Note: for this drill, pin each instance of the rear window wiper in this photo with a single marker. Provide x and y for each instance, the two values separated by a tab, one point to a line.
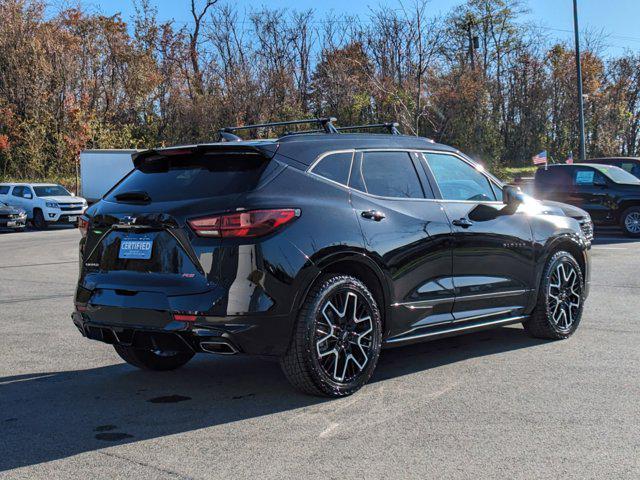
133	197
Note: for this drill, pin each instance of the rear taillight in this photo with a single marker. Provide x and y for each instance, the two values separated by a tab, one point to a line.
253	223
83	225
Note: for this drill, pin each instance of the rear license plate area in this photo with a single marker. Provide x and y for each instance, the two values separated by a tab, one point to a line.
136	247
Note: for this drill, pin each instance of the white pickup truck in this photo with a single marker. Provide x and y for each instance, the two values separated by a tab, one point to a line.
45	203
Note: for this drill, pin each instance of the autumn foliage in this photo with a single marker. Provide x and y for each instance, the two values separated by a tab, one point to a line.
72	79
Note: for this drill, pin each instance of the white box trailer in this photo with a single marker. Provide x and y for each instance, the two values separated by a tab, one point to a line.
102	169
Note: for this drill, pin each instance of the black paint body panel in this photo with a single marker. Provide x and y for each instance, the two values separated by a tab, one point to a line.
430	273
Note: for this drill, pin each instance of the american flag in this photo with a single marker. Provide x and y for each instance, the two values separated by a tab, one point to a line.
540	158
569	160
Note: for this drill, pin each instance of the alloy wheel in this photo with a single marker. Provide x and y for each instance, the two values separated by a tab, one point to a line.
344	336
565	296
632	222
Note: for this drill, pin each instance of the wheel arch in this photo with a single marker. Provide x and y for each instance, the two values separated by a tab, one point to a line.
569	243
624	205
357	264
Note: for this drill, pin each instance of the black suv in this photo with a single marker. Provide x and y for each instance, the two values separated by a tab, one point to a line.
319	249
609	194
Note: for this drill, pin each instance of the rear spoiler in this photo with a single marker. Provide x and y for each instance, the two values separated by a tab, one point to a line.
265	150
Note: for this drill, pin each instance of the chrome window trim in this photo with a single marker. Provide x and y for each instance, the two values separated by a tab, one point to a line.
407	151
490	178
323	156
456	153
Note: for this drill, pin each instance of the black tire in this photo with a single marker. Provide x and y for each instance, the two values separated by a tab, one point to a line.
149	360
630	221
546	320
307	363
39	223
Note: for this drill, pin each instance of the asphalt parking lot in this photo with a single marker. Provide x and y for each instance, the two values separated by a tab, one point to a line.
494	404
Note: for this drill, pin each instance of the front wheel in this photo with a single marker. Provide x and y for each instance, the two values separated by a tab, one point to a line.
153	359
630	221
560	299
337	339
38	220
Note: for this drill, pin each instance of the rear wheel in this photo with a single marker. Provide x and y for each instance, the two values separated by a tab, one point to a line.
153	359
38	220
630	221
337	339
560	299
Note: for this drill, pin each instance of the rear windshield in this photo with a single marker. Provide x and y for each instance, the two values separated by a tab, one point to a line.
179	178
51	191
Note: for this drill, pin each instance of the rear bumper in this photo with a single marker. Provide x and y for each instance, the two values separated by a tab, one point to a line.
152	329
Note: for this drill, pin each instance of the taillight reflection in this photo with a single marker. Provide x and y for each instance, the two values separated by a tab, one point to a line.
83	225
253	223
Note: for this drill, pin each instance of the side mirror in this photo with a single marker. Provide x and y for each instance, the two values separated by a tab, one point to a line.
27	196
73	194
512	196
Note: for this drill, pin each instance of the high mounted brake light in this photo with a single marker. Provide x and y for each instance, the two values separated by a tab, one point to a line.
180	317
252	223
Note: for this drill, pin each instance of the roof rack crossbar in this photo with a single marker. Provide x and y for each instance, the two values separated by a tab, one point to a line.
326	124
392	127
303	132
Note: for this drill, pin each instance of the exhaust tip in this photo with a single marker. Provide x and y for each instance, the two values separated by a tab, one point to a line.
221	347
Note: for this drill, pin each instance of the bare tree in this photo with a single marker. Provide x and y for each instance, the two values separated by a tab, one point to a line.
198	15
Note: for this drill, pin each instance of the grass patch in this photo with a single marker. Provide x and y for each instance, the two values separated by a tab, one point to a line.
508	174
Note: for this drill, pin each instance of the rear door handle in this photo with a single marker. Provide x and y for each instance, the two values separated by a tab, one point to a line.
373	215
462	222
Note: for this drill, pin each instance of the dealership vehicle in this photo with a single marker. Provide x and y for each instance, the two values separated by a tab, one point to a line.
102	169
609	194
319	249
12	217
44	203
630	164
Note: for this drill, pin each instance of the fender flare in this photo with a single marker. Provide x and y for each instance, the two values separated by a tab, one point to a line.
323	261
552	245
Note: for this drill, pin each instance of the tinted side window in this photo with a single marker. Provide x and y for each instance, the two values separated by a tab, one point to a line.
554	177
335	167
18	191
390	174
4	190
458	180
